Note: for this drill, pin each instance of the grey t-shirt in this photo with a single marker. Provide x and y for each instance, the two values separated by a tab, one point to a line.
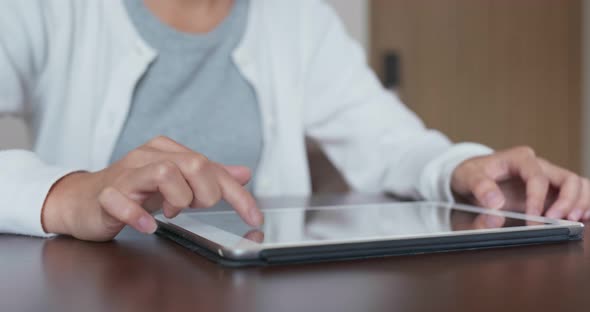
193	92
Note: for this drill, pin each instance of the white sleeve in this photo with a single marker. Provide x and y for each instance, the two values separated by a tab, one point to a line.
24	183
23	46
370	136
24	179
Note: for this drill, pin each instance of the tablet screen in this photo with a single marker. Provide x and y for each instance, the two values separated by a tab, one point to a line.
296	225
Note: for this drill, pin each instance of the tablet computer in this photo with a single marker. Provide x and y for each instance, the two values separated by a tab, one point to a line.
311	234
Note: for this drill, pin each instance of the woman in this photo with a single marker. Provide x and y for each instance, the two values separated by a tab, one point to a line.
142	104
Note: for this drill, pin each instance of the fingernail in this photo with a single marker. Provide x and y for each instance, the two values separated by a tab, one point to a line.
493	222
494	200
147	225
575	215
256	217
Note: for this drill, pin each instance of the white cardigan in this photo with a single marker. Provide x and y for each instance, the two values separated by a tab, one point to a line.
69	68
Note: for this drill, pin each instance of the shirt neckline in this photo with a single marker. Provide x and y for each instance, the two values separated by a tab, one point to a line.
162	37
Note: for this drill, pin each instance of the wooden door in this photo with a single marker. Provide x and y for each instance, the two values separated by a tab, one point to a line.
500	72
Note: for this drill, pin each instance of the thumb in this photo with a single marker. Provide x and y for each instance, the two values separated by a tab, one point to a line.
242	174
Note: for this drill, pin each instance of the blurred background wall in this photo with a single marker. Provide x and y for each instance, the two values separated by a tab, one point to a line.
504	73
498	72
585	87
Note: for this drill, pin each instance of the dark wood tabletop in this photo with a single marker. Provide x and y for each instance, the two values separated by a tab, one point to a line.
148	273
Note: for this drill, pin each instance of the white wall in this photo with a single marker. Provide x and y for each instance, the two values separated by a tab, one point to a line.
353	12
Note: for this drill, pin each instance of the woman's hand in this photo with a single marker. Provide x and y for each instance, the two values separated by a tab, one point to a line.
160	174
493	182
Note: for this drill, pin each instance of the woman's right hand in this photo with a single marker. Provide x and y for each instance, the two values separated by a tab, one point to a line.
160	174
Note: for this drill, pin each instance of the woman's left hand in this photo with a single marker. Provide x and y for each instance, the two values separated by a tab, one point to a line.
493	182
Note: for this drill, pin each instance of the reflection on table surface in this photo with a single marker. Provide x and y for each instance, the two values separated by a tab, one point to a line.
147	273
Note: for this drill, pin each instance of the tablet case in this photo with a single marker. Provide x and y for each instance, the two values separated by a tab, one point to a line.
379	249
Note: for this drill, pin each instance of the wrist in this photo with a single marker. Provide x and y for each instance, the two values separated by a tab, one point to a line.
58	212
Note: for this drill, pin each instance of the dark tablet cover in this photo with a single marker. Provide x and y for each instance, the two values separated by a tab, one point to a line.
365	250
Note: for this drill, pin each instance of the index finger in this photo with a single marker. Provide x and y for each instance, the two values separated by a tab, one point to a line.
165	144
240	199
232	191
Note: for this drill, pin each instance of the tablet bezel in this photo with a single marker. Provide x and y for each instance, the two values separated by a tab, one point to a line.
231	246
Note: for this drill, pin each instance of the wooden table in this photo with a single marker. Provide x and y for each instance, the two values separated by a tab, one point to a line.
148	273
